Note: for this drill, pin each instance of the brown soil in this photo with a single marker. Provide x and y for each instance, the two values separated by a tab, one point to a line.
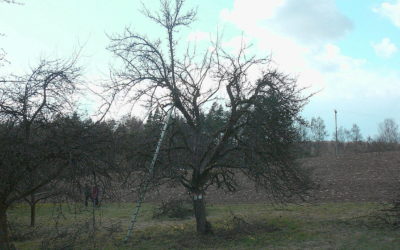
355	177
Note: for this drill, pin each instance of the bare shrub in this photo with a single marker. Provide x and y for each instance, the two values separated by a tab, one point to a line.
21	232
174	208
69	237
391	216
236	225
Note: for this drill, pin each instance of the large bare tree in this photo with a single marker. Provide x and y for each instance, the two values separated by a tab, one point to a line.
257	133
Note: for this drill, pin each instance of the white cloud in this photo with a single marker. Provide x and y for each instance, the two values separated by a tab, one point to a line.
331	59
391	11
312	55
308	21
272	33
385	48
197	36
360	84
349	78
312	21
246	13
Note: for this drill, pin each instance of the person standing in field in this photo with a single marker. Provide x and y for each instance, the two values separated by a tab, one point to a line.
95	195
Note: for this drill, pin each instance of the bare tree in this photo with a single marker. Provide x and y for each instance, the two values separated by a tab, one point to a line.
318	129
388	133
27	104
154	72
355	134
344	135
318	132
2	56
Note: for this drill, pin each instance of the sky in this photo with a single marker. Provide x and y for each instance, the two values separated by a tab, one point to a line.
346	52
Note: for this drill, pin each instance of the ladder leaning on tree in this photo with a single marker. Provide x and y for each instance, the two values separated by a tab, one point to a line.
146	183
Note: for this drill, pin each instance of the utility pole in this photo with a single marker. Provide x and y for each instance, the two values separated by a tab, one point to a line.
336	139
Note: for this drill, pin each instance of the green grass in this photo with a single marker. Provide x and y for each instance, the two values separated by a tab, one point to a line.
236	226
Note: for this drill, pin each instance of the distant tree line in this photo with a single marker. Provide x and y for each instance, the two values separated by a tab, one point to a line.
315	142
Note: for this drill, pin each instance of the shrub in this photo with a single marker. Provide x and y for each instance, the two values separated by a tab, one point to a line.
174	208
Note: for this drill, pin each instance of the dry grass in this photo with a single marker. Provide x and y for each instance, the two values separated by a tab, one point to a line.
236	226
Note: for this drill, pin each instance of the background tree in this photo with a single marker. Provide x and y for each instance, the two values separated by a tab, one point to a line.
135	142
318	129
27	105
92	158
305	144
343	135
356	139
388	133
153	71
2	56
318	132
303	132
355	134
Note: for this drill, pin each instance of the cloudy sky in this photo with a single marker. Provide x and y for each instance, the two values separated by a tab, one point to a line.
346	51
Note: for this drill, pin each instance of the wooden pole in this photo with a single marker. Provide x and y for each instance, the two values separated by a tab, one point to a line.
336	138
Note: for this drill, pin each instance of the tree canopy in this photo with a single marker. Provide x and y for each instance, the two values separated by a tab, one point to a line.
253	134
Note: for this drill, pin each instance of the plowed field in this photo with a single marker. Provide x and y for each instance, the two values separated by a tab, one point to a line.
355	177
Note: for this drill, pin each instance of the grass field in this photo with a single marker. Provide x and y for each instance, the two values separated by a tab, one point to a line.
236	226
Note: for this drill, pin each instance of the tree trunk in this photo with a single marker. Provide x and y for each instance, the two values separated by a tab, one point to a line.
202	225
32	204
4	237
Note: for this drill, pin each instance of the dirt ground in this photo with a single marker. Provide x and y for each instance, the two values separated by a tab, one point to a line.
355	177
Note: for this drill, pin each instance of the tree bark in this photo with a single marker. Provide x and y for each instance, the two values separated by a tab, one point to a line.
202	225
4	235
32	205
